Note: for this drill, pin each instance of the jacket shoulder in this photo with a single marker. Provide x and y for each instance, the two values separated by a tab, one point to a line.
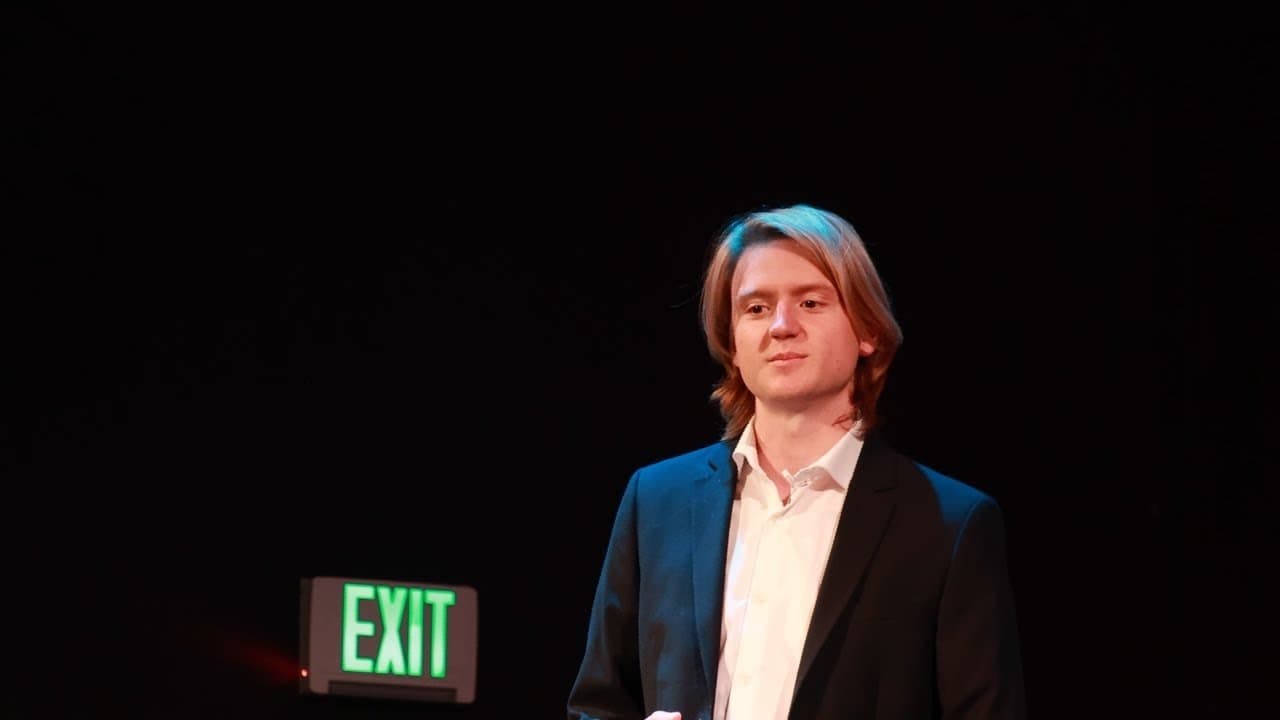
955	501
918	481
685	466
949	487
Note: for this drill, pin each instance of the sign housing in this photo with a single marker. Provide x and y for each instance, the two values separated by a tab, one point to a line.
388	639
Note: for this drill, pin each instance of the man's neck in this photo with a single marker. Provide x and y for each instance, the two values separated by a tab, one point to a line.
792	441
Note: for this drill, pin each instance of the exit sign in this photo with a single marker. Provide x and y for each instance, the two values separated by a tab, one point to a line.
388	639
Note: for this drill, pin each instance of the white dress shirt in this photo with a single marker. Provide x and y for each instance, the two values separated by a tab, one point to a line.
776	557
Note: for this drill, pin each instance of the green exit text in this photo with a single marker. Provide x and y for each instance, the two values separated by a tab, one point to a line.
396	606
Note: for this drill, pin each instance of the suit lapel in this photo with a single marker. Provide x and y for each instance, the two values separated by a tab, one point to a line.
863	520
710	507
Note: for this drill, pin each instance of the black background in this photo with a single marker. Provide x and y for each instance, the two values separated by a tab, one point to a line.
409	294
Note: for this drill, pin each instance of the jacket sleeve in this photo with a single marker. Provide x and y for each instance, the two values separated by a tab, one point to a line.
608	682
979	662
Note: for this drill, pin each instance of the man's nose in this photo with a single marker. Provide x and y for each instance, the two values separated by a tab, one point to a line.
784	322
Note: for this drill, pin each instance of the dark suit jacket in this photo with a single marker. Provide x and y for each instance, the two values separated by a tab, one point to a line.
914	617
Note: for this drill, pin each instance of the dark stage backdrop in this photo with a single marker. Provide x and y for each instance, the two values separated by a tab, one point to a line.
408	296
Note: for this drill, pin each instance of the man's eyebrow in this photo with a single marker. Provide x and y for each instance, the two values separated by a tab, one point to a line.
750	292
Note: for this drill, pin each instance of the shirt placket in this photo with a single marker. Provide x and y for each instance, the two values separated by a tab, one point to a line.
750	690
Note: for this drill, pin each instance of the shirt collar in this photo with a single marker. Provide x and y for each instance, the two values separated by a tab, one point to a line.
838	462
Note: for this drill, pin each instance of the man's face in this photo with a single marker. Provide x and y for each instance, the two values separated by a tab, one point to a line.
793	343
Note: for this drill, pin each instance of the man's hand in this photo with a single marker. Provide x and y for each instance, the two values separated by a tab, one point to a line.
664	715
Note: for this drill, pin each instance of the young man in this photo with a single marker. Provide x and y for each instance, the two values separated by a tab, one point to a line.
800	568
